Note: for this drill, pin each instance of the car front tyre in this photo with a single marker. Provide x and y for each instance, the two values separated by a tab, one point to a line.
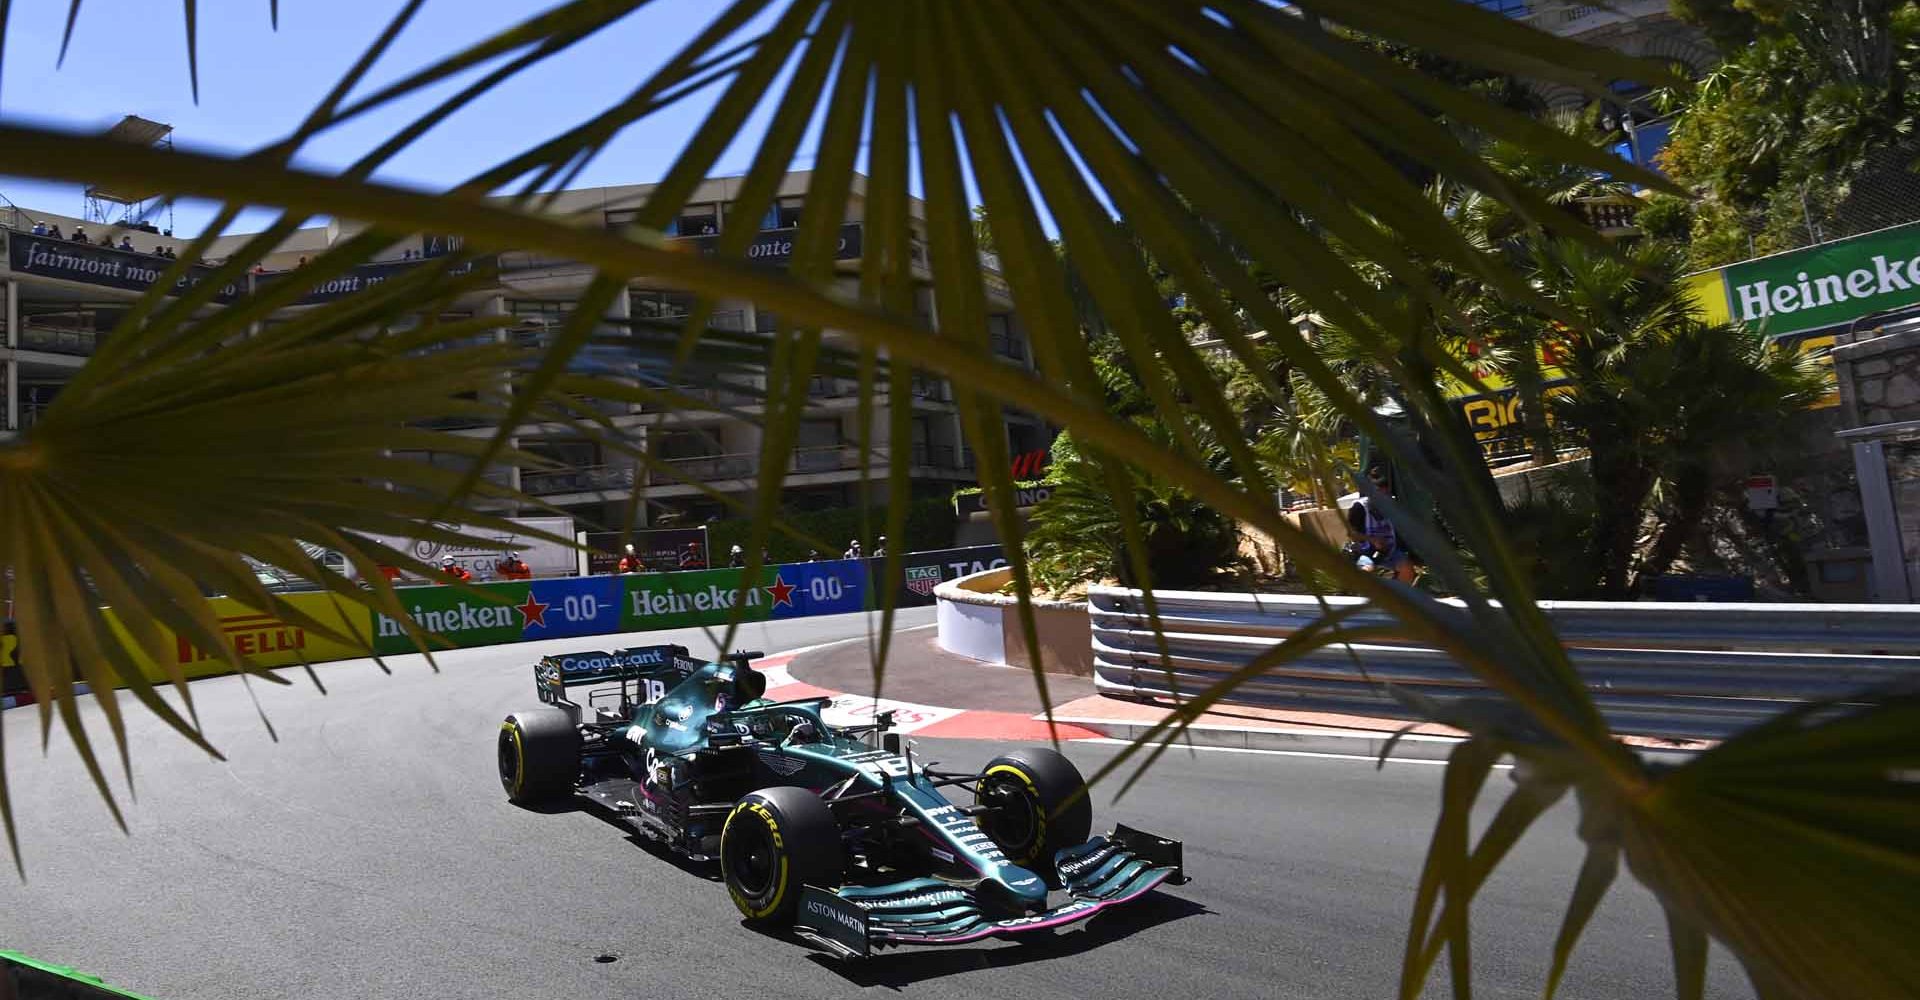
775	841
1036	805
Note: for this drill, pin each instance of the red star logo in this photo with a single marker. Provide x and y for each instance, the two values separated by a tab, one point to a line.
533	612
781	591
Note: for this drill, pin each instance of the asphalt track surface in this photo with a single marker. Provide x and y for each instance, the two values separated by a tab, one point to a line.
370	853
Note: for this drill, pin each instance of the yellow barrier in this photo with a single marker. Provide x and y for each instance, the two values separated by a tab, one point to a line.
269	641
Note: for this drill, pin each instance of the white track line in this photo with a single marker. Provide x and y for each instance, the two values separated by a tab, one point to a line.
1369	758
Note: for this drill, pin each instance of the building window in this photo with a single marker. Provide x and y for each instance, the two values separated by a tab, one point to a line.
647	303
1006	343
782	214
696	220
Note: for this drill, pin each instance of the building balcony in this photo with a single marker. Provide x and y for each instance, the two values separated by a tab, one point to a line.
590	479
78	343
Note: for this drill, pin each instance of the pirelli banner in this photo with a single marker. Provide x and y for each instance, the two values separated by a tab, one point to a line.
268	640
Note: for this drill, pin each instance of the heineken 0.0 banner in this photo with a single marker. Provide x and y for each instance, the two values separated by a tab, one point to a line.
539	609
715	596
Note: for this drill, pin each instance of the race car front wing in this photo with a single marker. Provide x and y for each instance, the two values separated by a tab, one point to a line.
1105	871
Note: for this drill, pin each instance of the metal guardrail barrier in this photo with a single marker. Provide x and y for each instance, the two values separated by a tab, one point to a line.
1679	671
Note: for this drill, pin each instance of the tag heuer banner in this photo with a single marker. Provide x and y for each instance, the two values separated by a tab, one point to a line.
927	570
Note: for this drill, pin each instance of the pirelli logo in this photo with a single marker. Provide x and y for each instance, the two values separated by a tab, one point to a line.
249	635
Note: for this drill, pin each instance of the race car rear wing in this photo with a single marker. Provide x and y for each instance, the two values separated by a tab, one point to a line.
553	675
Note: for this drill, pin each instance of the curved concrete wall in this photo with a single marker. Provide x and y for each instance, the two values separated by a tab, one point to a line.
977	622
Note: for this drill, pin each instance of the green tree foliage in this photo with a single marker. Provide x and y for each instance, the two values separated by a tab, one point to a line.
1791	137
1078	533
1656	395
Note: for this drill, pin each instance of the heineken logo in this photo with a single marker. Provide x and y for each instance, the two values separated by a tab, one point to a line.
714	598
461	618
1760	299
922	579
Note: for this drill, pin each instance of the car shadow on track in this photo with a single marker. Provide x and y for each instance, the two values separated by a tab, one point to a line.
908	965
705	870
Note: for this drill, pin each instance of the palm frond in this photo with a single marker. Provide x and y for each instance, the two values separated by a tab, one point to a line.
1228	135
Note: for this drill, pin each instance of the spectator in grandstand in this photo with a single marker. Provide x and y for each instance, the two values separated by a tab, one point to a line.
454	572
170	254
126	244
630	562
515	568
53	232
79	235
39	228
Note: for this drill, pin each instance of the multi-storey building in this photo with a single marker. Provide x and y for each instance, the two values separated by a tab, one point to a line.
1642	28
62	298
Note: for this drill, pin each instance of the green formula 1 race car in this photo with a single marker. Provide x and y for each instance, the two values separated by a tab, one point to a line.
835	830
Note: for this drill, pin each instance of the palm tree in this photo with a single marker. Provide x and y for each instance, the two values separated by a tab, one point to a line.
1212	128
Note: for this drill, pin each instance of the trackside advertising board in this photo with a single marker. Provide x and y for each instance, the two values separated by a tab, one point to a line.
519	612
715	596
268	640
1826	285
563	607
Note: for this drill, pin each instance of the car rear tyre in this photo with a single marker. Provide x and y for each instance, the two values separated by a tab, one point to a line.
775	841
1036	805
539	755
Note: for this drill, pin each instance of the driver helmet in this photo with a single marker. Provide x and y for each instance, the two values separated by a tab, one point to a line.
446	561
736	550
629	548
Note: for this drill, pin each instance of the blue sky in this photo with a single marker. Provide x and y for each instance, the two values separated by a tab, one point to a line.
256	85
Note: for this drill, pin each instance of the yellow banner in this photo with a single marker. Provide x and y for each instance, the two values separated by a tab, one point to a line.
269	641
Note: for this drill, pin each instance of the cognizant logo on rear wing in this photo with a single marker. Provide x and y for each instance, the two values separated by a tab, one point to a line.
554	674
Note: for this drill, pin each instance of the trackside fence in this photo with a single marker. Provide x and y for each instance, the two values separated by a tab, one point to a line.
1673	670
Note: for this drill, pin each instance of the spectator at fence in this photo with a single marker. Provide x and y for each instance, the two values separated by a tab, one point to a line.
515	568
690	557
880	547
1376	532
736	556
853	550
53	232
170	254
454	572
79	235
630	562
126	244
39	228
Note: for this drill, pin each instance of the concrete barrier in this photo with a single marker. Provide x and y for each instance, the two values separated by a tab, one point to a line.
976	621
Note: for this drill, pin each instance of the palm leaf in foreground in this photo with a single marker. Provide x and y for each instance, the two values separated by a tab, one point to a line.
1222	132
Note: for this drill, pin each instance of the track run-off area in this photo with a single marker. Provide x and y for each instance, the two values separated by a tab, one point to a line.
370	853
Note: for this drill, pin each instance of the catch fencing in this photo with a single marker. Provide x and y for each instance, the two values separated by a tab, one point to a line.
1672	670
